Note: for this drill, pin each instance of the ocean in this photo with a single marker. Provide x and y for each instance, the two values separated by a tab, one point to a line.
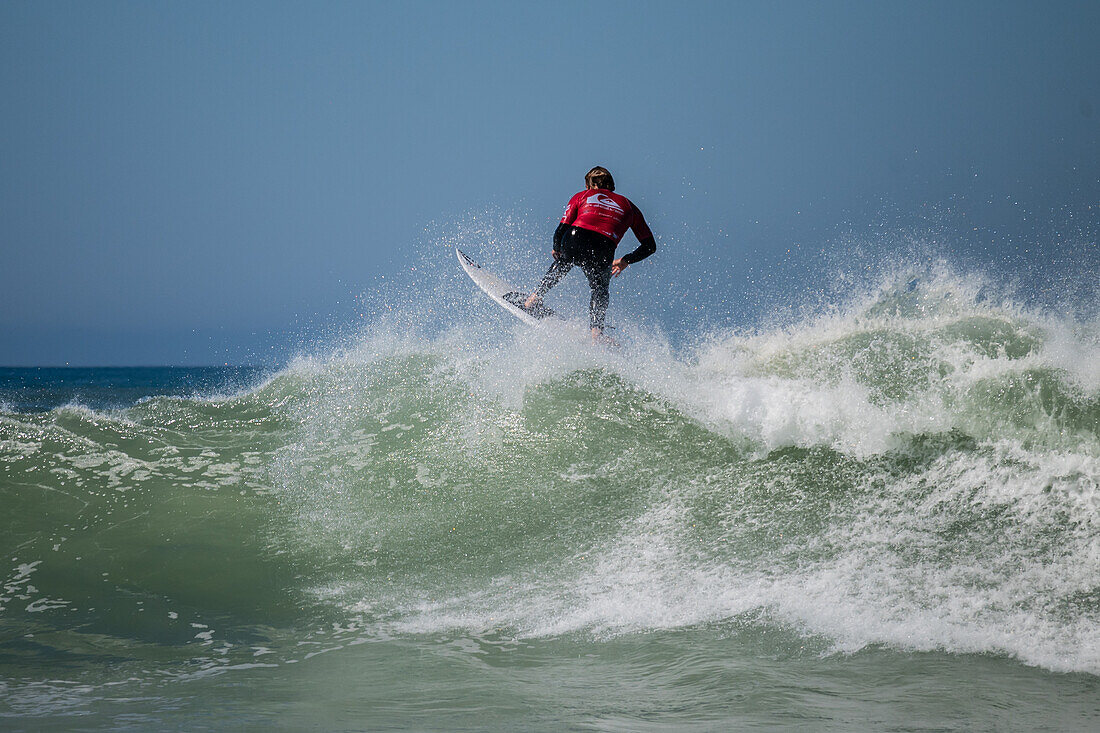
882	516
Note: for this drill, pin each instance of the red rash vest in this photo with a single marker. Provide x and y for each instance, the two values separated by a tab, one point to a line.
606	212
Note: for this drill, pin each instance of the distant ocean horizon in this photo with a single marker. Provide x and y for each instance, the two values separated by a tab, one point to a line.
41	388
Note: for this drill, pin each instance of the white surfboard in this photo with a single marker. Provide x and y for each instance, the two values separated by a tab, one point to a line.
509	298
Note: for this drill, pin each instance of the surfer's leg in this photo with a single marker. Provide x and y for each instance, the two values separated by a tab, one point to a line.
564	259
599	279
596	258
553	276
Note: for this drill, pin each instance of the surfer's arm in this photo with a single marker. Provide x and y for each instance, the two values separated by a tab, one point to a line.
647	247
567	219
558	234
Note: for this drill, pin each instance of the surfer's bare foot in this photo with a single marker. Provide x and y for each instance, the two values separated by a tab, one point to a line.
602	339
532	301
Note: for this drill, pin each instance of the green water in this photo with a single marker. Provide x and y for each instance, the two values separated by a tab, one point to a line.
886	520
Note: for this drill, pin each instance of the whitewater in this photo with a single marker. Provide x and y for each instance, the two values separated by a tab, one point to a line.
882	515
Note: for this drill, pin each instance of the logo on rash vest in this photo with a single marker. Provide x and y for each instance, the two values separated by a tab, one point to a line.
604	202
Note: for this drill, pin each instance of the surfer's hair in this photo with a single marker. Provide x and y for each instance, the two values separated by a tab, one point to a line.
599	177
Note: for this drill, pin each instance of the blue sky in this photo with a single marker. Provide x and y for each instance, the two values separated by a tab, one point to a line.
193	183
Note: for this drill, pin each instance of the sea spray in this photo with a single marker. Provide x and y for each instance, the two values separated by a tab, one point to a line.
914	469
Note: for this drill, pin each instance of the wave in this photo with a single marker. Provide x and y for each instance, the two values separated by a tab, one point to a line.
919	469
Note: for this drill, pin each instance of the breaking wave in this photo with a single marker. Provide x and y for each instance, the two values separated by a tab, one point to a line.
919	469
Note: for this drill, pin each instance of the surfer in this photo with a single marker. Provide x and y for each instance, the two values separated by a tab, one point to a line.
595	220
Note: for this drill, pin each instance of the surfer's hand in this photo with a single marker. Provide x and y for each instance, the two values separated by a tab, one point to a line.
618	266
557	254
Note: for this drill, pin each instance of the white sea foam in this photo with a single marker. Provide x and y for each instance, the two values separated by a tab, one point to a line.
884	576
978	539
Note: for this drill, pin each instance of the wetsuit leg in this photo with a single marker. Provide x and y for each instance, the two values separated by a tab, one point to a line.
594	253
553	276
599	279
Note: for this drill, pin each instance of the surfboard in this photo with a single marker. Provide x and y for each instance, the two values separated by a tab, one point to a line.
507	297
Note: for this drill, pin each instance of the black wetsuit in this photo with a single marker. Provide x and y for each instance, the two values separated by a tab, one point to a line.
593	253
